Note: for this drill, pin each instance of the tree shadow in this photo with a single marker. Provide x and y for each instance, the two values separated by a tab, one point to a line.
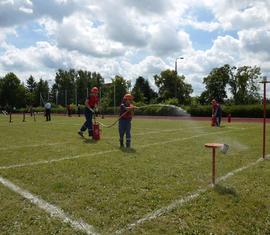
225	190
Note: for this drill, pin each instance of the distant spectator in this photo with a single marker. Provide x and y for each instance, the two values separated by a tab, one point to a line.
69	110
79	110
48	108
216	112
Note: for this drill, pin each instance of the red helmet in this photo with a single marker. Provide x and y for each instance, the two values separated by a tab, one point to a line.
94	90
128	97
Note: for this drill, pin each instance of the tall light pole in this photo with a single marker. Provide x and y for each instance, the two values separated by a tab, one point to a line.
264	82
175	69
175	63
56	98
50	80
114	98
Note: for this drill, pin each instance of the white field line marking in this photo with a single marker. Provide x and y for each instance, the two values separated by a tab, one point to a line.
33	145
59	143
180	202
156	132
57	160
108	151
54	211
184	138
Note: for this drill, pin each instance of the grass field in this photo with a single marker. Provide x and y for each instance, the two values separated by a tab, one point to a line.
160	186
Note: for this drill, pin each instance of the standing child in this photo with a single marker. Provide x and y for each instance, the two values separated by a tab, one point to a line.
90	104
126	113
216	112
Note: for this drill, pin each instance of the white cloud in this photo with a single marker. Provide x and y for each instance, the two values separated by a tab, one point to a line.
132	38
78	33
166	40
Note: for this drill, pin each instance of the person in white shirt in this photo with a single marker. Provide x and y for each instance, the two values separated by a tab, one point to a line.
48	107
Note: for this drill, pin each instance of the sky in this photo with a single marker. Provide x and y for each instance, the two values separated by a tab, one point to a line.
133	38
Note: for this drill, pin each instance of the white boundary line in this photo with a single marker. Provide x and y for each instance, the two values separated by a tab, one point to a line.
54	211
59	143
180	202
108	151
56	160
32	145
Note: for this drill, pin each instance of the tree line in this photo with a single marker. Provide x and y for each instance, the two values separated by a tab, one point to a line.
226	84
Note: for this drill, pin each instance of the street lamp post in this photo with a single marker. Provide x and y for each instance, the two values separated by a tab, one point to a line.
264	82
175	69
50	80
175	63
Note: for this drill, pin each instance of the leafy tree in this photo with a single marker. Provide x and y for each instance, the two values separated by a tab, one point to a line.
41	92
31	86
244	84
13	92
142	91
65	86
215	84
173	86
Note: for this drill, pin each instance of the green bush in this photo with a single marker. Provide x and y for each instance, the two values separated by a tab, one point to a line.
252	111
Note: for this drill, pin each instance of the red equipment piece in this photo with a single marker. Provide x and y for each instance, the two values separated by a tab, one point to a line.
96	131
213	121
229	117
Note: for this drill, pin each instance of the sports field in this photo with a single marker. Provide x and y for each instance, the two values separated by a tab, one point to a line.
52	181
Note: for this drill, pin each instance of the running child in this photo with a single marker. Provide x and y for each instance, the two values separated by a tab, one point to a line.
126	113
91	104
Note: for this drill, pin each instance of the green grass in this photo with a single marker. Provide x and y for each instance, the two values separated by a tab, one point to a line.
111	190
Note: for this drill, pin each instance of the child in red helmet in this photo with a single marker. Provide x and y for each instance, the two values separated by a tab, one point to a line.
126	113
90	104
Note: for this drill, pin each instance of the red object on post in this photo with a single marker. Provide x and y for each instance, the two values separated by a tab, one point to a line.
229	117
213	146
213	121
96	131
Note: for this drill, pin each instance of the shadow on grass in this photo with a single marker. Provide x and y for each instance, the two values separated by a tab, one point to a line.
89	141
225	190
128	150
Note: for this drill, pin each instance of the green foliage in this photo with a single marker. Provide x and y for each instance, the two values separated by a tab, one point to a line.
242	83
142	91
252	111
173	86
171	101
12	91
215	84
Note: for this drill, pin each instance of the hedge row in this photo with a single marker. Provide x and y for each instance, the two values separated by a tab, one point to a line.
152	110
253	111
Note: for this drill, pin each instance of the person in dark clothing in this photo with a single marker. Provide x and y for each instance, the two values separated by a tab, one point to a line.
90	105
48	107
126	113
216	112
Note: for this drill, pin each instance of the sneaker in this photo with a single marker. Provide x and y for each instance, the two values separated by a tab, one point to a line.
80	133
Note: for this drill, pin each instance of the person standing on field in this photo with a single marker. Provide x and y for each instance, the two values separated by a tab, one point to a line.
91	104
124	125
216	112
48	107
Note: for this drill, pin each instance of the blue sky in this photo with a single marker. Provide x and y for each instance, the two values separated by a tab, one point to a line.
133	38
